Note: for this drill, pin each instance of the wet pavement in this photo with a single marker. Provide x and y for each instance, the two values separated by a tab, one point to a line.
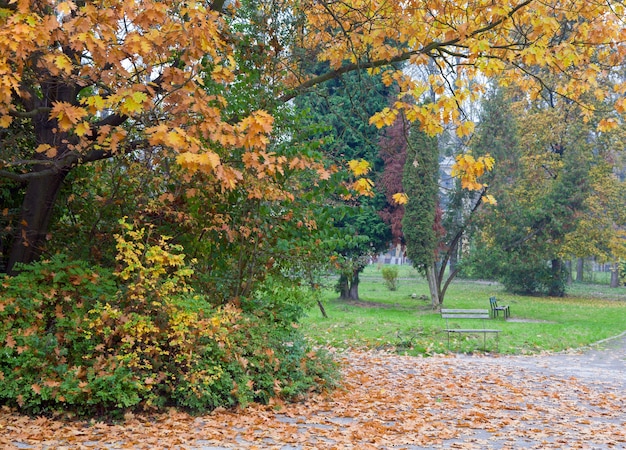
602	364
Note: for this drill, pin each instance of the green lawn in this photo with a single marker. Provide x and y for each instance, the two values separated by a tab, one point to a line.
387	319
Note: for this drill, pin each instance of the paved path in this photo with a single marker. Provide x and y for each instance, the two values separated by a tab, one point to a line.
602	364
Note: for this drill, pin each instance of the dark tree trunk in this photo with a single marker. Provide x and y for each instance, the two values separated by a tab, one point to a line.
343	287
348	287
42	191
570	276
37	207
433	286
580	269
322	309
557	282
354	287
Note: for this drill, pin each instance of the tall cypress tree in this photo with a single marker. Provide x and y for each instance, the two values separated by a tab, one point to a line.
420	182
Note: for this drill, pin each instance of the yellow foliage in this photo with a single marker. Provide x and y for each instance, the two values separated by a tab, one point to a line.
469	169
82	128
489	200
47	149
608	124
364	186
359	167
465	129
147	60
386	117
67	115
400	198
5	121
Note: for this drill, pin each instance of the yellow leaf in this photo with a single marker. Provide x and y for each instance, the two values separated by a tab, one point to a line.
400	198
82	128
359	167
66	7
133	104
175	139
49	150
5	121
488	161
363	186
205	162
95	103
465	129
64	63
386	117
489	199
67	115
607	125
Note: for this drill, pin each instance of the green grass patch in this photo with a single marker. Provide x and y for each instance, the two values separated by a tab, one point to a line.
396	320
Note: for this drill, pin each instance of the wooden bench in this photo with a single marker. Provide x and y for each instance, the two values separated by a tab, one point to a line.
495	309
452	315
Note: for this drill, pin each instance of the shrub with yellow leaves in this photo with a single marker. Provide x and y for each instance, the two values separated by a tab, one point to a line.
91	341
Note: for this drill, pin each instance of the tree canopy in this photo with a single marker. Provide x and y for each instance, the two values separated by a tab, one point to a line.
90	81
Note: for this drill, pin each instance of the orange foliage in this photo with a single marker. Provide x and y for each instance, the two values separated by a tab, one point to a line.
144	65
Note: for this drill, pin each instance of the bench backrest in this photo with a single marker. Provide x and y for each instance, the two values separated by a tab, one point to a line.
465	314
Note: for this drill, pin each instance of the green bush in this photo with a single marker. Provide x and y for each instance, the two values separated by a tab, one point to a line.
390	275
87	340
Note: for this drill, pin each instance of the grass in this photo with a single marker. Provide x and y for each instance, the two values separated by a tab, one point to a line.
393	320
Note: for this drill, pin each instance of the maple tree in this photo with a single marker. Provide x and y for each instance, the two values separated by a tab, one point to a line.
92	81
202	86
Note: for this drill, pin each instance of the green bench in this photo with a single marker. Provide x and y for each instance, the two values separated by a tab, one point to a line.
495	308
453	315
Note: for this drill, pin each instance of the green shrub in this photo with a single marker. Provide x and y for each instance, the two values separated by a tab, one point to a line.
97	342
390	275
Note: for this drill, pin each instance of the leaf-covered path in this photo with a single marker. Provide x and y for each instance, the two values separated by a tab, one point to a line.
390	402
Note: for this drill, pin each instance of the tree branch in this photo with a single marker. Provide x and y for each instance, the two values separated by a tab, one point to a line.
29	114
399	58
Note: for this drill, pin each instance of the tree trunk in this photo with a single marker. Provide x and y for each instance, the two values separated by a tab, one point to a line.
37	207
354	287
42	192
322	309
348	286
431	277
580	269
615	275
557	285
570	276
343	287
454	258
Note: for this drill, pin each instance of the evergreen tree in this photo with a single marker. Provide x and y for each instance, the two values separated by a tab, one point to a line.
543	184
341	109
420	181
